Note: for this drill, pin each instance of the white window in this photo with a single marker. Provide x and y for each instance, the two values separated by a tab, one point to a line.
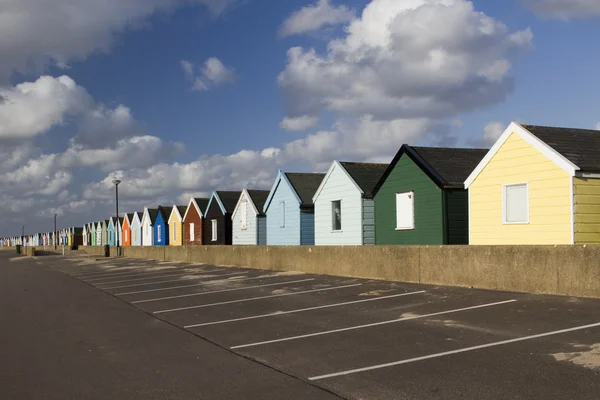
174	228
126	235
214	230
405	211
515	204
243	209
282	214
158	233
336	215
192	232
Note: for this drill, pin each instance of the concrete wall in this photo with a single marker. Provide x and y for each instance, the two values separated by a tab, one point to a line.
563	270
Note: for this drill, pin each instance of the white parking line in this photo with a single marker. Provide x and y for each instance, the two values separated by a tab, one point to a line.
350	328
447	353
187	286
219	291
224	321
173	280
256	298
94	282
119	271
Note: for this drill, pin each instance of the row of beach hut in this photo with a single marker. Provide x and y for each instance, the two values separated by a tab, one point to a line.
536	185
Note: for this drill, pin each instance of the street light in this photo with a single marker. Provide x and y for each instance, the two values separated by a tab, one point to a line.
116	182
23	235
54	231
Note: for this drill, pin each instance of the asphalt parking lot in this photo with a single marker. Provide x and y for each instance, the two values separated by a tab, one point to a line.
366	339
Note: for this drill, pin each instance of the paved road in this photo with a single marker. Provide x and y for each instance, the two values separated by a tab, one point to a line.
62	339
217	332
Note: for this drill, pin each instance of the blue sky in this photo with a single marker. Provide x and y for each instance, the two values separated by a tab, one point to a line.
97	92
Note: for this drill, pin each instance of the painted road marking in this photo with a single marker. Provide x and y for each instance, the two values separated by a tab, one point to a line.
107	273
146	275
350	328
224	321
219	291
195	277
464	350
152	277
256	298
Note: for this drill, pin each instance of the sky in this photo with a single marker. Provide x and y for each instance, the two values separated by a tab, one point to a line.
181	97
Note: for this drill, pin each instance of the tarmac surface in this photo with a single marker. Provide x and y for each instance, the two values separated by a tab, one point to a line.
94	328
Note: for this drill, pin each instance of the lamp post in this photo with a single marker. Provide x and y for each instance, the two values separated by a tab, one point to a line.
54	231
116	182
23	235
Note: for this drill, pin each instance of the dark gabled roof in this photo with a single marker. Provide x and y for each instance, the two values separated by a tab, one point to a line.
202	203
152	212
580	146
448	167
107	221
121	219
454	165
77	231
366	175
229	199
305	185
165	212
130	216
259	197
181	210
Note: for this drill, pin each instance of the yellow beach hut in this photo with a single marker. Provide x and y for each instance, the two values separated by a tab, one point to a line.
176	225
537	185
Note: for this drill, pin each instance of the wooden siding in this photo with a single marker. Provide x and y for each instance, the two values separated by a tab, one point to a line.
457	216
368	221
192	217
126	233
549	198
587	210
104	229
289	235
136	232
307	228
338	186
147	232
224	235
428	211
262	230
175	230
161	239
248	236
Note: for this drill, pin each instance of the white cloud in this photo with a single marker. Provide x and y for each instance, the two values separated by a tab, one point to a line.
299	123
314	17
36	33
392	65
212	73
40	176
598	126
32	108
101	126
134	152
564	9
492	132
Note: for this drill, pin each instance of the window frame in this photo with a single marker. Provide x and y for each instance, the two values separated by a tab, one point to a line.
282	213
243	215
214	227
158	233
412	194
192	233
174	228
333	202
504	203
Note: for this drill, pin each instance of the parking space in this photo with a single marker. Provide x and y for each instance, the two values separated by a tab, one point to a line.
371	339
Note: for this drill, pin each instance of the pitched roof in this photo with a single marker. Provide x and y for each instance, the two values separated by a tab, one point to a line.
130	216
152	212
229	199
580	146
181	210
165	211
259	197
454	165
448	167
366	175
202	203
305	185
